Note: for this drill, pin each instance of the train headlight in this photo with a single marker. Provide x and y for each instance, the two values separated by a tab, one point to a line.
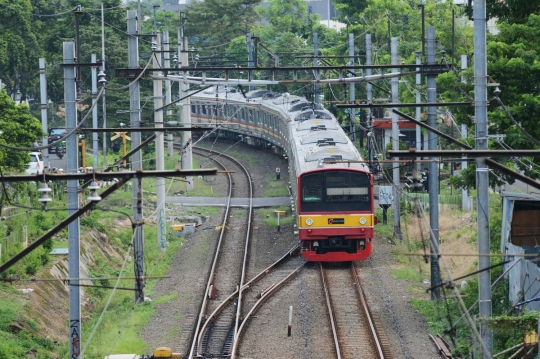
362	220
309	221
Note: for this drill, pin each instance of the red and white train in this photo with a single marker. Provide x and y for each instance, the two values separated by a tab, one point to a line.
334	201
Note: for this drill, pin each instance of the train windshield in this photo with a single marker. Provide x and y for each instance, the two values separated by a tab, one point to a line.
335	191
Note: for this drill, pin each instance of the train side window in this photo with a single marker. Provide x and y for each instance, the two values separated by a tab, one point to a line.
193	108
250	115
203	107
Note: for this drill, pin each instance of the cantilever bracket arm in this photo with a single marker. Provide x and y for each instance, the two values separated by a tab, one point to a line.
488	161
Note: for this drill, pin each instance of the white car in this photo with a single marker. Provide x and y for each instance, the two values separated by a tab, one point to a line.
36	164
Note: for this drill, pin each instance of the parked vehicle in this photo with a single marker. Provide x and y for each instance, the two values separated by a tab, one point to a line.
55	133
35	166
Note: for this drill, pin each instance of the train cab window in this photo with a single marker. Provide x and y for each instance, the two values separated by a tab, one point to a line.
312	188
350	189
336	191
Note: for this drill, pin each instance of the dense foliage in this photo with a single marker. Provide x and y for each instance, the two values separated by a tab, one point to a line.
17	126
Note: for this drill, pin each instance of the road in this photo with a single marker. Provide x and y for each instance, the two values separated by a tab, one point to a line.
56	162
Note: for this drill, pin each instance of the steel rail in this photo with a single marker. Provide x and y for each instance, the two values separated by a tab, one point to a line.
202	331
213	268
330	311
264	296
365	307
252	281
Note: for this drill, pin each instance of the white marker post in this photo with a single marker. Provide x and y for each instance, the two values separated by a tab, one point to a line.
279	213
289	327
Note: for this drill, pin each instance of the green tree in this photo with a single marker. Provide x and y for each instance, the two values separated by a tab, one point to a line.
18	46
217	22
512	11
18	128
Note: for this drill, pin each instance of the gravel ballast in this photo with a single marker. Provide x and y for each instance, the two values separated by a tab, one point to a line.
267	333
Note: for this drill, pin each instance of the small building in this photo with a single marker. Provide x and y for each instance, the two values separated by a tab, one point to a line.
520	234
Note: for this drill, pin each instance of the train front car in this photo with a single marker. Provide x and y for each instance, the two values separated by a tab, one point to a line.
335	215
334	189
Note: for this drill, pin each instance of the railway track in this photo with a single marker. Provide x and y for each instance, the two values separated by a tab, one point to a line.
214	334
355	328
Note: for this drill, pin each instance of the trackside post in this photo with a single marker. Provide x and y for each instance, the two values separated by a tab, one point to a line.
278	214
289	327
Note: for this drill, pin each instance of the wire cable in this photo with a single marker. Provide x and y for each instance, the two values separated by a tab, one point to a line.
89	340
53	15
52	144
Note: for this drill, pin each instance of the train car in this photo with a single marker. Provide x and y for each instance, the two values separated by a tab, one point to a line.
333	190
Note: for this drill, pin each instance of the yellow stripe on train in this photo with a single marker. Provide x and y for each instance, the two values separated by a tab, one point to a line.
346	220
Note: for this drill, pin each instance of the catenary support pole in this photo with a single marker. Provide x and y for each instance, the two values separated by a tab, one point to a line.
465	203
168	93
185	120
419	108
104	112
433	178
95	151
482	178
44	110
249	43
352	111
160	148
317	98
395	142
70	95
135	121
369	88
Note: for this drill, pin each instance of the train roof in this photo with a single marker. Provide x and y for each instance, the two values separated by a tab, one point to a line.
314	132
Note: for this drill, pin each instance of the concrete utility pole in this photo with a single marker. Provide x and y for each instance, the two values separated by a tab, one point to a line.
352	111
250	53
135	121
395	142
168	95
371	141
433	178
185	120
419	108
95	152
104	90
44	109
160	147
465	205
316	63
482	179
70	95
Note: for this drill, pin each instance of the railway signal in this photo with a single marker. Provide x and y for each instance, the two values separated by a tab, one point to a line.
124	137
